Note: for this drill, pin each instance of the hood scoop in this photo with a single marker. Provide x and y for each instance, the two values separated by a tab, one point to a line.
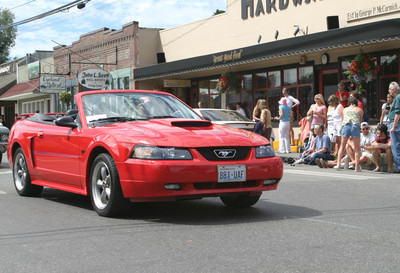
192	123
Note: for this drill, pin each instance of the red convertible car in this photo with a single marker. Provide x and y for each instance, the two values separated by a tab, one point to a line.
139	146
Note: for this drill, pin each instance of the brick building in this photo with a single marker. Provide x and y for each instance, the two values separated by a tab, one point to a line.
115	51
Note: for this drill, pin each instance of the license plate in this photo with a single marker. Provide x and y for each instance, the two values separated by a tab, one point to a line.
231	173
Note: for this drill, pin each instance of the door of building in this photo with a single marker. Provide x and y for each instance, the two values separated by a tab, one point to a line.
328	81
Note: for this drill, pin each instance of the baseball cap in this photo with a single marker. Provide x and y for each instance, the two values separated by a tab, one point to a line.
364	124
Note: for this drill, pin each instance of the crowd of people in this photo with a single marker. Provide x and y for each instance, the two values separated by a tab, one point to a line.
349	141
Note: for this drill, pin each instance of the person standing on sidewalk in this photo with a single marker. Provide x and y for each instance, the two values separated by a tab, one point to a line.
284	126
292	103
342	94
351	122
394	123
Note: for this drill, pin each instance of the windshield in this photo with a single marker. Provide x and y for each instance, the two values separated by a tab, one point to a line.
116	107
223	115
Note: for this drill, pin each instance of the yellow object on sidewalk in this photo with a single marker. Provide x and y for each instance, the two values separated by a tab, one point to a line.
275	145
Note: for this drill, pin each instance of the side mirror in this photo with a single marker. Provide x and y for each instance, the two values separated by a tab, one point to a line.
66	121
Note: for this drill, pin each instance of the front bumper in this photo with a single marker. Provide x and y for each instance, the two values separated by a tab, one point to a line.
146	179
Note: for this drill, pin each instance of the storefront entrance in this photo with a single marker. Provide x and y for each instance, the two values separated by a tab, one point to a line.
328	81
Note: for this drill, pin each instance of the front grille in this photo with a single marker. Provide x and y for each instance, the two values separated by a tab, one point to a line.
225	185
210	154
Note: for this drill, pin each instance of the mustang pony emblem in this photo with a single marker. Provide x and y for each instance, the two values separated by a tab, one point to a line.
226	153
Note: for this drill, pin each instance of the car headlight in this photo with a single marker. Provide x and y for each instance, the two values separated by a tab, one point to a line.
264	151
160	153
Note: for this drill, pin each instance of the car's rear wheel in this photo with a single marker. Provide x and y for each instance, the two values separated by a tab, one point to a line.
105	190
240	200
22	179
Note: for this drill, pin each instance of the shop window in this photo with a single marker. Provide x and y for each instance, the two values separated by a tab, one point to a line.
232	97
306	98
247	102
274	79
306	75
290	76
260	80
247	82
389	65
274	96
209	95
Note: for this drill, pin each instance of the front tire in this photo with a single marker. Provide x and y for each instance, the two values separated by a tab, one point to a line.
22	179
105	189
240	201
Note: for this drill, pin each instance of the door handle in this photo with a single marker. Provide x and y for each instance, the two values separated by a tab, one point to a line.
40	134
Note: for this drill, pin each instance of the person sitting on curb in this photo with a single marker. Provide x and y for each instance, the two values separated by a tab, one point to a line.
321	147
381	149
366	138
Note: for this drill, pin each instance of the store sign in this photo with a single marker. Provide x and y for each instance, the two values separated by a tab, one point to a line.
177	83
95	78
232	56
373	11
52	84
258	7
34	70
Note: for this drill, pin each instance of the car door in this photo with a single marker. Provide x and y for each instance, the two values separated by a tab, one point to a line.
56	154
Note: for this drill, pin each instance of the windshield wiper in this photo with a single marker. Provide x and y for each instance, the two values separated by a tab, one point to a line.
116	119
156	117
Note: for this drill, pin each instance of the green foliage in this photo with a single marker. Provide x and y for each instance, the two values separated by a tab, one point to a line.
7	35
218	11
360	70
65	97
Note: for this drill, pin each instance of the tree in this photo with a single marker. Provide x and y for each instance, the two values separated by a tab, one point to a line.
7	35
218	11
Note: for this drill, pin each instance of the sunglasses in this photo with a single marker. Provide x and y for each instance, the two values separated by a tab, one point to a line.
365	129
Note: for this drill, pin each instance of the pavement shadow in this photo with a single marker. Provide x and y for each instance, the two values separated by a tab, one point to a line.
206	211
210	211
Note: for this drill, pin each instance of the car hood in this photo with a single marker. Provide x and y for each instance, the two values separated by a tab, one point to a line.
183	133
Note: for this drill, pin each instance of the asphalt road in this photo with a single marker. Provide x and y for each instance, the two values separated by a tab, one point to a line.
317	221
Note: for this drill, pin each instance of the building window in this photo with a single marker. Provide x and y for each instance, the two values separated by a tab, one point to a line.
39	106
389	65
209	95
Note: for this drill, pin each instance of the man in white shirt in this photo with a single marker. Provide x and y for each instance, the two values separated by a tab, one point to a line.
239	109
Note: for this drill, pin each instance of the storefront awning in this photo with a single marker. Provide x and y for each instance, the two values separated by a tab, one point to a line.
370	33
21	91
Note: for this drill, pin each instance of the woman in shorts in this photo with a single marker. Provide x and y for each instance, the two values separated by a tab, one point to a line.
351	124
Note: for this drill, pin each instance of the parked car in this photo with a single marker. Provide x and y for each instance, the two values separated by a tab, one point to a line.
139	146
226	117
4	131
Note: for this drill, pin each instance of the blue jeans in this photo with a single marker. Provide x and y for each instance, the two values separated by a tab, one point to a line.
311	161
395	144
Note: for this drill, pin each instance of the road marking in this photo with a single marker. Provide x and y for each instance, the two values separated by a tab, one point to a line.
2	192
331	223
336	175
6	172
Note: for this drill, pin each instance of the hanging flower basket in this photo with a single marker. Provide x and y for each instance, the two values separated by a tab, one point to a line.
228	82
65	97
361	70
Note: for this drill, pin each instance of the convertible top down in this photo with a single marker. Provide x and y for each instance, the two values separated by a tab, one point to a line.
139	146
